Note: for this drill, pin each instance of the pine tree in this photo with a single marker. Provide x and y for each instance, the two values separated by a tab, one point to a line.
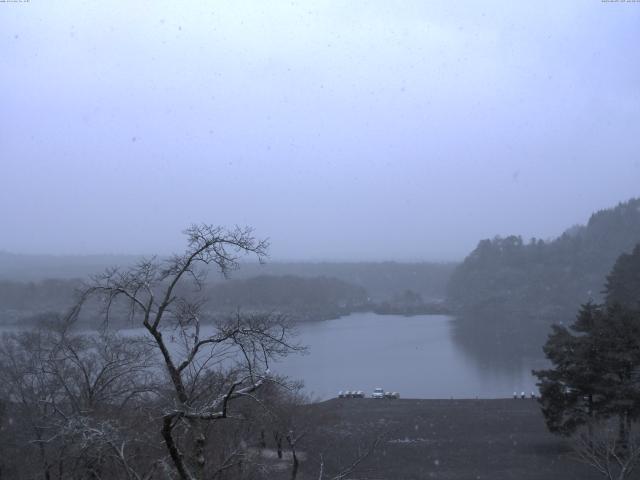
623	283
567	391
595	372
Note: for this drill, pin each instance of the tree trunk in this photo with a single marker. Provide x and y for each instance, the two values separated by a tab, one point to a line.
45	464
278	439
294	469
623	431
199	454
176	455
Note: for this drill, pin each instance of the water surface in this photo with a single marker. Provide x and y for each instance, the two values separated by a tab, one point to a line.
415	356
419	357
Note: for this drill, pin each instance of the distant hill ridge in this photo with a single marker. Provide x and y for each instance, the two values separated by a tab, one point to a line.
547	280
382	280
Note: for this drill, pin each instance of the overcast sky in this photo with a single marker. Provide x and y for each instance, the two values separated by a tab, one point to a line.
341	130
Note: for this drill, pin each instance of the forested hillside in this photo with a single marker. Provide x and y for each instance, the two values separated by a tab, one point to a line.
32	285
304	298
545	280
381	280
22	300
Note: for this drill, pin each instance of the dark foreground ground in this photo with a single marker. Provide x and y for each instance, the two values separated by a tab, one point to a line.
441	439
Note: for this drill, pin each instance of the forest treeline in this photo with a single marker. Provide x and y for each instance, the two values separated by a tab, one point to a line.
545	279
305	291
508	292
381	280
21	301
302	298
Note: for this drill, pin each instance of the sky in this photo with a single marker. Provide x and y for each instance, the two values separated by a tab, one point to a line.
341	130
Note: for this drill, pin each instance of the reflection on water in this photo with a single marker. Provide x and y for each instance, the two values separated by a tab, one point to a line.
499	343
419	356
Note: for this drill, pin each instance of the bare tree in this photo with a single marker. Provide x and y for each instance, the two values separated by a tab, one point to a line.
28	394
208	368
602	449
65	389
283	413
345	472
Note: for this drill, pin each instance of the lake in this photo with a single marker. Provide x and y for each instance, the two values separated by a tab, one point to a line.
415	356
418	357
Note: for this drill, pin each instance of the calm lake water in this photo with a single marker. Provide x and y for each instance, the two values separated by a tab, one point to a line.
418	357
415	356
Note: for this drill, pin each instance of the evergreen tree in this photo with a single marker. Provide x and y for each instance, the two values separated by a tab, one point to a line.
596	367
595	370
623	283
567	390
